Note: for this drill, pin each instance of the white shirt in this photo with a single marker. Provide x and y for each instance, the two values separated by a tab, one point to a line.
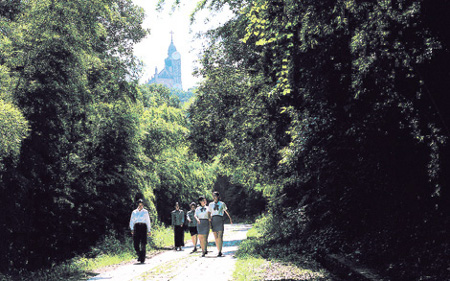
140	217
201	212
217	209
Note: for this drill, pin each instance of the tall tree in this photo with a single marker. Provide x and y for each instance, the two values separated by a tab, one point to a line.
71	62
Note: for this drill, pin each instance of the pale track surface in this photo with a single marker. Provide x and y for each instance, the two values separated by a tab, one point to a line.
184	265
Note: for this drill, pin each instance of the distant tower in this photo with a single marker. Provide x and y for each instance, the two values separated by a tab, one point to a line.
170	76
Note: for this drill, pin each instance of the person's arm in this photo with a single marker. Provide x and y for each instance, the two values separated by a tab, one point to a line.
209	214
195	217
132	223
231	222
149	225
187	217
182	218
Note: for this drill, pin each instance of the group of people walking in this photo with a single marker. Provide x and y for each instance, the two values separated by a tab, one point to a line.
200	219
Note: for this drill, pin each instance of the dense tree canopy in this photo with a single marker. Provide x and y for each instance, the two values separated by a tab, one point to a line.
81	140
335	110
79	155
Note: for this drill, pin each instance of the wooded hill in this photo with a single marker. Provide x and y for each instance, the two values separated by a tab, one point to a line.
336	111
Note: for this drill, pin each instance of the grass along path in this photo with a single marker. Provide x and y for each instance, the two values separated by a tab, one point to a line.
260	259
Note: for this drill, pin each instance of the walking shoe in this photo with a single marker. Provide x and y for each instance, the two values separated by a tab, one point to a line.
142	257
203	254
220	254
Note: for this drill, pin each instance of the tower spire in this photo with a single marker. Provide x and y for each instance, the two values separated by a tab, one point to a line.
171	36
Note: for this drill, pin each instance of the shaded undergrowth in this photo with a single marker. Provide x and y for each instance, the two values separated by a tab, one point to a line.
111	251
261	258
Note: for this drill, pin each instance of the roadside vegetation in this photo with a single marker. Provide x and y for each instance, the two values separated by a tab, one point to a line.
110	252
261	258
335	111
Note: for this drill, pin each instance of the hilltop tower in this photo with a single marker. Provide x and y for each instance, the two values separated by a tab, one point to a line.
170	76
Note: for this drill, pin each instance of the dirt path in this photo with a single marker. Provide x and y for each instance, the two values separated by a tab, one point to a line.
184	265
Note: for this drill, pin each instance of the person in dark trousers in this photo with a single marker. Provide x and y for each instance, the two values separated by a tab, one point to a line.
178	222
201	216
216	209
140	226
192	224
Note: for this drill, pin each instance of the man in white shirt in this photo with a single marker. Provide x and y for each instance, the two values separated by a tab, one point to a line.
140	226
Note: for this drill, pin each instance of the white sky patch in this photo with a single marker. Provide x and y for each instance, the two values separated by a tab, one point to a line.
152	50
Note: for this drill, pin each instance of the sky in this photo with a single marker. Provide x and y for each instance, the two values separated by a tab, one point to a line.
152	50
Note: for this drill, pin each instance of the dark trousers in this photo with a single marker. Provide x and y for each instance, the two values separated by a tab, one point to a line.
140	240
179	236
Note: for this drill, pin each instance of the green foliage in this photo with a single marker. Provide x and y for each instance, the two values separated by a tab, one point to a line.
81	140
335	110
70	68
175	174
162	237
183	96
265	256
154	95
13	129
109	251
249	269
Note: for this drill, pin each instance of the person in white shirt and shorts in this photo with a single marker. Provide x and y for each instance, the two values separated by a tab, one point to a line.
192	225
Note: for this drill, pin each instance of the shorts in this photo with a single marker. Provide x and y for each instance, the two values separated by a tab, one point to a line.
193	230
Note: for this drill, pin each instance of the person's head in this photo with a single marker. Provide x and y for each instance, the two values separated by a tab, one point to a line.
177	206
140	204
202	201
193	205
216	196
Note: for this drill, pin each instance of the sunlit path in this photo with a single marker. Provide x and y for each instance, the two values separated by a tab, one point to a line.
172	265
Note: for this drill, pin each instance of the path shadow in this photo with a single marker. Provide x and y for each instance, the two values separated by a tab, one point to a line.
226	243
229	243
230	253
